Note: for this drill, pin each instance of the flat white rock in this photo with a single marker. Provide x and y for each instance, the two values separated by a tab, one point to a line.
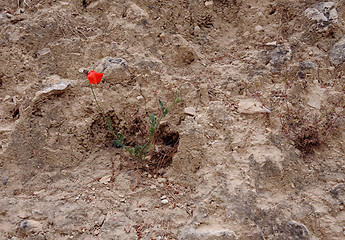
190	111
251	106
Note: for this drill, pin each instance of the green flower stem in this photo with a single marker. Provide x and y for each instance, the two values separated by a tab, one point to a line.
107	119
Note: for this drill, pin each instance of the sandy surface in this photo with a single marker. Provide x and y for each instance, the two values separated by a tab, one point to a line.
258	137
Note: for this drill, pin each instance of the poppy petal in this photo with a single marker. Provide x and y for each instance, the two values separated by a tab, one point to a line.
94	77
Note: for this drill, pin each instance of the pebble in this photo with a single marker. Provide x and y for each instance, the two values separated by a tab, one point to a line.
190	111
274	43
259	28
140	97
5	180
165	201
106	179
44	51
161	180
6	98
208	3
23	215
24	225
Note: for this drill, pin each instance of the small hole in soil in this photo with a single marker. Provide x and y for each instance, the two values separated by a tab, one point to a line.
273	11
166	145
85	4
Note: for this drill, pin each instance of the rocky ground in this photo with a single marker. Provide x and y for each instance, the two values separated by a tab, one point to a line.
254	150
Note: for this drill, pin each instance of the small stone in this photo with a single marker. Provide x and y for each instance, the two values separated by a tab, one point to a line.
38	211
44	51
105	179
140	97
24	225
6	98
163	197
333	15
197	30
161	171
274	43
190	111
204	93
171	179
162	37
14	238
246	34
165	201
307	65
5	180
39	192
259	28
23	215
208	3
161	180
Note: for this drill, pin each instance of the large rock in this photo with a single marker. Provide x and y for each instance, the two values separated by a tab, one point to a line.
183	52
337	54
295	230
323	14
115	70
280	55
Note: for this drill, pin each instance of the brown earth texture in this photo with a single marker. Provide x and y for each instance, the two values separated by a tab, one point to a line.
254	149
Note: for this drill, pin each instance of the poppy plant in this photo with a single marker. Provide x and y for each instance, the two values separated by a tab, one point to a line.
139	151
94	77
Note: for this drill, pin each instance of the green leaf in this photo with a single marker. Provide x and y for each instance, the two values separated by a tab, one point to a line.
177	97
161	103
153	120
165	111
118	143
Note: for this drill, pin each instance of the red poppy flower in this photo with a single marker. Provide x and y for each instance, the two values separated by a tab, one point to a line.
94	77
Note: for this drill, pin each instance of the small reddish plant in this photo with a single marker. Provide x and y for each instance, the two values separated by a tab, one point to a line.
308	131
